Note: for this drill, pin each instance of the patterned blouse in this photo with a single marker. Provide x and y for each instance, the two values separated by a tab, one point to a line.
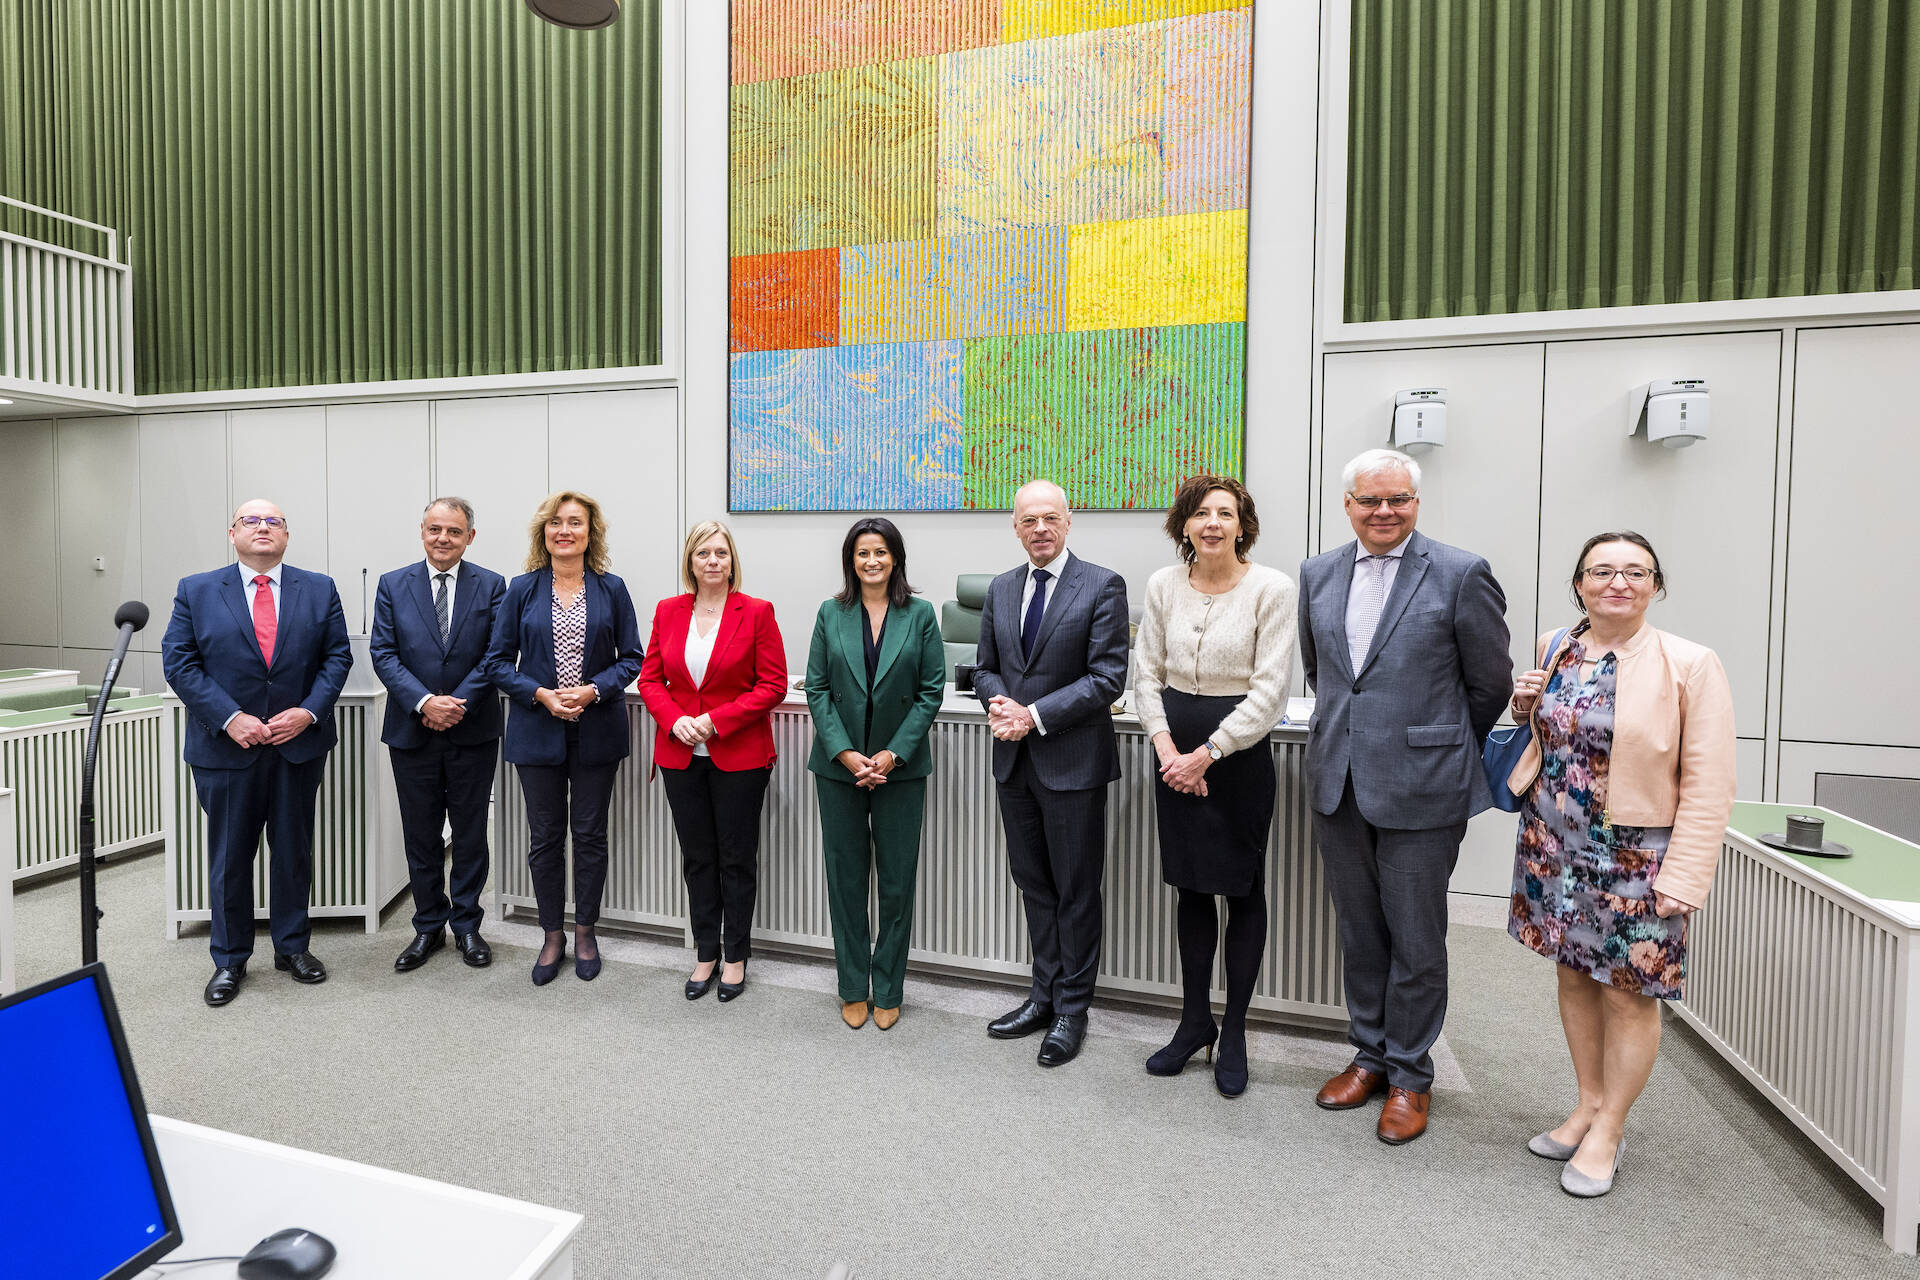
569	638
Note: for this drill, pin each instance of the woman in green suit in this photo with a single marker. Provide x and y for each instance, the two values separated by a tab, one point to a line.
875	675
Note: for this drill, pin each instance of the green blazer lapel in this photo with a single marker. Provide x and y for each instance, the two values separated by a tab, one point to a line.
899	622
853	649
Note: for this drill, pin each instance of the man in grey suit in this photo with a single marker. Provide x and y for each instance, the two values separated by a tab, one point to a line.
1052	660
1404	641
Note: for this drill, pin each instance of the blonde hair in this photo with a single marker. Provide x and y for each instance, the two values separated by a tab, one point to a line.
699	534
538	558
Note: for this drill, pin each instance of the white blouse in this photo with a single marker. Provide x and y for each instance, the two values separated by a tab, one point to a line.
699	654
1238	643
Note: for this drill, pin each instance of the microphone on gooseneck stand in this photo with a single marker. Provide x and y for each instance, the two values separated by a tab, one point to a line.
129	618
363	600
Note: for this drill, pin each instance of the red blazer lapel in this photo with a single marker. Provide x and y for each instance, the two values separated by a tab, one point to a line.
673	642
732	618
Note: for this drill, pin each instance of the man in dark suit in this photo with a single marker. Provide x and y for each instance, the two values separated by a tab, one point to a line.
1052	660
431	624
258	654
1404	641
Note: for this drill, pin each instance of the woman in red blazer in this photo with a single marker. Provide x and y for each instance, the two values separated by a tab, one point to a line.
714	671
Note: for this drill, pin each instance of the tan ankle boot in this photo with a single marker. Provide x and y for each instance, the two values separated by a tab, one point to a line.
885	1018
854	1013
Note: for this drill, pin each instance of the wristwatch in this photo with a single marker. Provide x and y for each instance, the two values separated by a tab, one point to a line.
1213	752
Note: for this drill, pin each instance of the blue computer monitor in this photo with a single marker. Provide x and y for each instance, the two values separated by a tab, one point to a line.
80	1181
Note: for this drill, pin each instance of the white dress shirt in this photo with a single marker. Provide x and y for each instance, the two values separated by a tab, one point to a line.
699	654
433	587
1057	567
1389	569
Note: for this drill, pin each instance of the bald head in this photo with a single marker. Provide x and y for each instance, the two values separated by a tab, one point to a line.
1041	519
258	533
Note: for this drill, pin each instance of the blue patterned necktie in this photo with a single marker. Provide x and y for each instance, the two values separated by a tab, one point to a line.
1036	609
440	612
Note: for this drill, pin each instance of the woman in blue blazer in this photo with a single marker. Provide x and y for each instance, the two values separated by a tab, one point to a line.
565	645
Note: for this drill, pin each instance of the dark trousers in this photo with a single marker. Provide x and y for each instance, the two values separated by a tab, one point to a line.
1057	852
871	836
1389	891
273	796
562	797
716	813
439	784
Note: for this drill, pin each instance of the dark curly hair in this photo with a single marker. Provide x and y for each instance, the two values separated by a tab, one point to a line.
1193	491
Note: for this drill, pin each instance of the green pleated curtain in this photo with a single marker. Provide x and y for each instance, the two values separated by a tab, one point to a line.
1540	155
326	191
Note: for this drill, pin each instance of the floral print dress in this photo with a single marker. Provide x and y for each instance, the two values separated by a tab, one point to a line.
1583	887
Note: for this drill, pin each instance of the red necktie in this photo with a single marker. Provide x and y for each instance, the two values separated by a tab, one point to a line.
264	624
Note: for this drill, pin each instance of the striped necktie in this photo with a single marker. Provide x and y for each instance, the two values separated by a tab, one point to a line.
1364	616
440	612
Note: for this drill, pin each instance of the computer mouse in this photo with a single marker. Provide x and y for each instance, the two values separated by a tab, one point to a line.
293	1254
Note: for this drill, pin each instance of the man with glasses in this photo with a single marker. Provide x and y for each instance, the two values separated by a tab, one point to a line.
257	652
1404	642
1052	661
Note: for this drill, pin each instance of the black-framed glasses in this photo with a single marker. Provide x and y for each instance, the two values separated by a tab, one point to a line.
255	522
1399	501
1601	574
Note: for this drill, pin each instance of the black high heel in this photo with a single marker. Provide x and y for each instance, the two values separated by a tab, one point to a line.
1230	1072
584	968
697	987
1172	1060
545	973
732	990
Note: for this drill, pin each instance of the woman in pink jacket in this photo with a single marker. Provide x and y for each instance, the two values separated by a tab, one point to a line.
1626	790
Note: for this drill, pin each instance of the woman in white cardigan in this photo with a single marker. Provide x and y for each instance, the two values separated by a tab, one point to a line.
1210	681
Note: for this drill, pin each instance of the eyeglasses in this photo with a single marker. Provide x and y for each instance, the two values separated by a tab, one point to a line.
1038	522
1601	574
1399	501
255	522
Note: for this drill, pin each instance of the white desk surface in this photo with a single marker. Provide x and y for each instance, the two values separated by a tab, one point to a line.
231	1191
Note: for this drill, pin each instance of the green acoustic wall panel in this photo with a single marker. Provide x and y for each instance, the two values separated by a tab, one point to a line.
1534	155
324	191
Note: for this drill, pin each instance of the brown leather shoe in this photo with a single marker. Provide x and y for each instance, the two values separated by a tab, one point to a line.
1404	1118
885	1018
854	1013
1350	1089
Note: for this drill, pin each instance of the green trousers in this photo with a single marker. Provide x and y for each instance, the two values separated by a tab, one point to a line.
871	835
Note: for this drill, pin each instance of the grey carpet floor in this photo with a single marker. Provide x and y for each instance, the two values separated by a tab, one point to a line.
763	1139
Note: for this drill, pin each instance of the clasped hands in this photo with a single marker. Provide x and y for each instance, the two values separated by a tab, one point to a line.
868	771
693	730
251	731
568	703
1009	720
443	711
1187	773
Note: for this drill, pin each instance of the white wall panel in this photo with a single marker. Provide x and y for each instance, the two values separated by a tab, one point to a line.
46	657
281	455
183	508
98	492
493	452
1750	755
619	448
1707	509
377	463
29	594
1479	491
1851	608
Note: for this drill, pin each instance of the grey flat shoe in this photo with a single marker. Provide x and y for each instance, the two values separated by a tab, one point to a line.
1576	1183
1544	1146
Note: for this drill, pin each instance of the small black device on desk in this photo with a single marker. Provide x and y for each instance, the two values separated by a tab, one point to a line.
292	1254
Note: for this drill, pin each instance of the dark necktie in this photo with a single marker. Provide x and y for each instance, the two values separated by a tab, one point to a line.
1036	609
440	611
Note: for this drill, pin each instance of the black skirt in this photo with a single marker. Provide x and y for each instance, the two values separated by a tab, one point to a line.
1216	843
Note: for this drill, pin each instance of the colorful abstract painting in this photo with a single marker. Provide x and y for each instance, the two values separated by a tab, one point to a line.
979	241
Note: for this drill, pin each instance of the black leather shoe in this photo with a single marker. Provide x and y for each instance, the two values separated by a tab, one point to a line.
422	946
473	949
224	985
696	988
732	990
303	967
1024	1021
1063	1041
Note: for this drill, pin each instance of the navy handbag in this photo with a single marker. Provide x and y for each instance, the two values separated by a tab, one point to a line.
1504	747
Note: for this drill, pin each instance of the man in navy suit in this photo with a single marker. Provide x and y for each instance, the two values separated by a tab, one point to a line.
258	654
1052	660
431	623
